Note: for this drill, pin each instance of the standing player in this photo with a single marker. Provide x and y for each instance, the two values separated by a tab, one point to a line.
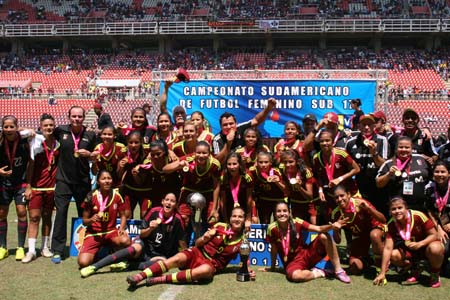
161	236
411	237
366	225
14	156
211	253
40	190
291	140
101	209
285	238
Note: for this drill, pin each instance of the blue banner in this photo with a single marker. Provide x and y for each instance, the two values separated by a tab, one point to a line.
294	100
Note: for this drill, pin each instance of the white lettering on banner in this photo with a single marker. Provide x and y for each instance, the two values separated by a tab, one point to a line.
218	91
281	103
257	233
258	246
132	229
322	103
305	91
186	103
219	103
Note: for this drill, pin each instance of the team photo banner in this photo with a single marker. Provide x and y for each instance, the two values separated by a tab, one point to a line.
294	100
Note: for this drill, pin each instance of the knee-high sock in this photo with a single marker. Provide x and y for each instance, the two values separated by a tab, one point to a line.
3	231
22	227
156	269
178	277
115	257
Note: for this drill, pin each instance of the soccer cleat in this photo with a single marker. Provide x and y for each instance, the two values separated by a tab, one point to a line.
56	259
435	280
120	266
413	279
46	252
3	253
87	271
30	256
20	253
133	280
343	277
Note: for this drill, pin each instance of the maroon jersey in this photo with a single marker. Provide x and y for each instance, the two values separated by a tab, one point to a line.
44	170
420	224
283	145
267	190
114	206
294	188
275	237
201	182
219	250
137	183
360	222
246	182
180	151
342	165
109	160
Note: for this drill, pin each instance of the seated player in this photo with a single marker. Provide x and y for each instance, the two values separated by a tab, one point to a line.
299	259
211	253
161	236
101	209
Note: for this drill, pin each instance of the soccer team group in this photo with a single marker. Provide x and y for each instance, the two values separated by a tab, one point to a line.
385	187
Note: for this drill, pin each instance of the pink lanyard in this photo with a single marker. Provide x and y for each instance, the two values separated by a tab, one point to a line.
265	175
106	155
442	201
101	201
235	190
12	155
401	166
293	180
249	153
228	232
352	209
76	139
130	158
163	220
406	235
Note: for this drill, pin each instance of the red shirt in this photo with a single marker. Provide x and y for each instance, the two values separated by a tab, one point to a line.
202	182
43	177
420	224
115	205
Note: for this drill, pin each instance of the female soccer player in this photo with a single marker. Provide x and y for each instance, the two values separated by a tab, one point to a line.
285	238
101	209
165	130
405	174
135	189
291	140
204	132
40	190
161	236
202	176
236	188
253	145
186	147
299	185
108	153
269	186
438	206
411	237
365	223
333	166
211	253
14	156
138	123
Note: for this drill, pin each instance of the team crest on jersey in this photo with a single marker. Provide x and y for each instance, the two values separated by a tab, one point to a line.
419	162
338	165
419	142
65	136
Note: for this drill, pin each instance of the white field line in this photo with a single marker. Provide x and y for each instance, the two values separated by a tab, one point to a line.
171	293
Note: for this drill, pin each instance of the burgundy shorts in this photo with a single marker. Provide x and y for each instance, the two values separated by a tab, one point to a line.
42	199
195	258
306	258
93	243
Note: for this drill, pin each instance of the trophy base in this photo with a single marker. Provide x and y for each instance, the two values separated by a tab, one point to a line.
242	277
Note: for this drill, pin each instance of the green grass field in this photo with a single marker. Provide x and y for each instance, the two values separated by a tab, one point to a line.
41	279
